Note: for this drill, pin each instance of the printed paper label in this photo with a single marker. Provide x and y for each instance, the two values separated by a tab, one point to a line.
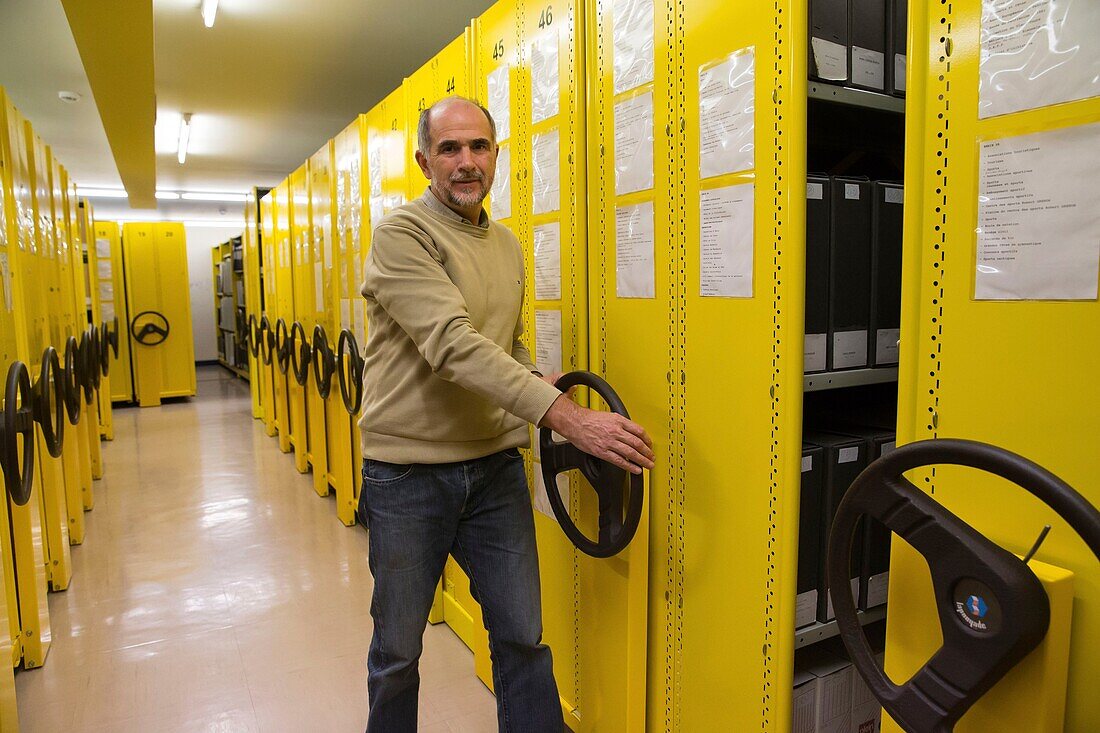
548	262
544	77
548	341
899	72
805	608
546	177
814	352
815	191
727	115
830	58
500	196
886	346
635	269
893	195
634	144
500	101
726	242
807	463
847	455
868	68
632	36
849	349
851	191
542	501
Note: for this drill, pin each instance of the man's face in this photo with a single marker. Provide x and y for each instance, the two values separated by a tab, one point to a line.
462	158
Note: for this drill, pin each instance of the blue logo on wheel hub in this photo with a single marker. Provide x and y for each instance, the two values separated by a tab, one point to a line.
975	606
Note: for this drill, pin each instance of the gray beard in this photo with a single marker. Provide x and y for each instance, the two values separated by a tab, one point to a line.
461	199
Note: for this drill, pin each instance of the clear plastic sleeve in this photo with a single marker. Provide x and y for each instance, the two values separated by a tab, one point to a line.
634	144
548	261
500	196
632	36
499	101
727	114
1036	53
545	91
546	177
635	267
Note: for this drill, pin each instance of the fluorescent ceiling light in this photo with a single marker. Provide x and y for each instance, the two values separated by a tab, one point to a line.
167	195
102	193
209	10
185	135
211	196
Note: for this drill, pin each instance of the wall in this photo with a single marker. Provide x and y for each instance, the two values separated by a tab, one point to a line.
199	242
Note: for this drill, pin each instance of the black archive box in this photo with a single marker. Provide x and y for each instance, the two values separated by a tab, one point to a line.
849	273
867	47
843	457
886	238
829	40
874	573
816	349
809	534
896	59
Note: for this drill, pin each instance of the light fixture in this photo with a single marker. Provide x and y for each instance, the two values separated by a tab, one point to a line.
167	195
185	134
102	193
212	196
209	10
70	97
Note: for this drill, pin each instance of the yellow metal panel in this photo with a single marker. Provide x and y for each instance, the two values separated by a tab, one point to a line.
352	221
157	280
284	304
1046	405
301	239
252	290
12	233
112	289
321	410
267	273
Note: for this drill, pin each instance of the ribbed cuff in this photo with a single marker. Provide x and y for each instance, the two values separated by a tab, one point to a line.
535	400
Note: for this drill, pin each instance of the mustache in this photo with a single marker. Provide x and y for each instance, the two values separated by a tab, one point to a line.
474	175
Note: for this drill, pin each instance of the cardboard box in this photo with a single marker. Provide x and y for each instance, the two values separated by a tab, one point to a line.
803	701
866	710
818	202
833	694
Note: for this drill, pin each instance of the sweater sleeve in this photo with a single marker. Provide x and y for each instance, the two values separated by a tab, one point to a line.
406	278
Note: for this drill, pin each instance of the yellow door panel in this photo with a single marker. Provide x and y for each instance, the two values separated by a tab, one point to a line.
301	306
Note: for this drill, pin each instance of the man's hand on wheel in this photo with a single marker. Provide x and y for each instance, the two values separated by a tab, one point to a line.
605	435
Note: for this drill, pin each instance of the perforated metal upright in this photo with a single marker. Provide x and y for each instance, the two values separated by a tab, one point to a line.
274	392
253	289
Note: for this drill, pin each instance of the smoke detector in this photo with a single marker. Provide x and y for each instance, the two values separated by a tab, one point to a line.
69	97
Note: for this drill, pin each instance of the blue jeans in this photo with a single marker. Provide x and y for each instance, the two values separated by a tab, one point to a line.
479	512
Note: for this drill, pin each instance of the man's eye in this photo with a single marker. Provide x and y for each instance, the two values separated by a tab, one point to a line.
446	148
481	146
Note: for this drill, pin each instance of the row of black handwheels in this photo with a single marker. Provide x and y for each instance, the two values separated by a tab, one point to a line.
87	361
293	353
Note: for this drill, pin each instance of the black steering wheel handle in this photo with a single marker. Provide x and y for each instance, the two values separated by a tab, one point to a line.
349	371
992	608
324	363
282	346
18	421
104	349
253	335
300	353
73	378
618	517
267	343
49	402
151	332
113	338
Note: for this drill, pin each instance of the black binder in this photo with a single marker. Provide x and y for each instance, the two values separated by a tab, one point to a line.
844	457
886	237
809	534
867	46
849	273
874	571
896	59
829	40
815	351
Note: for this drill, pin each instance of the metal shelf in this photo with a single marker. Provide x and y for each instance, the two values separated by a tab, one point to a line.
227	330
819	632
850	378
856	97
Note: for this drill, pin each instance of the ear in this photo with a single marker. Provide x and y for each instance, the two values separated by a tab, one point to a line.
422	161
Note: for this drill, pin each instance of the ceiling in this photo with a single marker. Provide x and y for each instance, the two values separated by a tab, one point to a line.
267	86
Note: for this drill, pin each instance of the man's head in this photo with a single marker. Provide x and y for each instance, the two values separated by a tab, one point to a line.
457	150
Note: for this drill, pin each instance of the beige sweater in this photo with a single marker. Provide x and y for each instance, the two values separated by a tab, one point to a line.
446	376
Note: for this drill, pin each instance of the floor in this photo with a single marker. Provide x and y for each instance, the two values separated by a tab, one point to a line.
215	591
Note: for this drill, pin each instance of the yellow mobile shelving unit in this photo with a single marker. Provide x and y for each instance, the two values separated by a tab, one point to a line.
159	304
283	301
111	283
352	227
301	307
30	620
253	301
100	283
272	394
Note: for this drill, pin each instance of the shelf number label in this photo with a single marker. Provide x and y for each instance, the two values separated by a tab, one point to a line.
547	17
498	50
451	85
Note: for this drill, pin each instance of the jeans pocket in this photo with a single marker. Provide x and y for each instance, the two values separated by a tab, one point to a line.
380	472
513	453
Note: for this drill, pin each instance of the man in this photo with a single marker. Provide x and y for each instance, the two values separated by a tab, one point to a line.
449	392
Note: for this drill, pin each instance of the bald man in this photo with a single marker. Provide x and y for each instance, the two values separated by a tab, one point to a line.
449	392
